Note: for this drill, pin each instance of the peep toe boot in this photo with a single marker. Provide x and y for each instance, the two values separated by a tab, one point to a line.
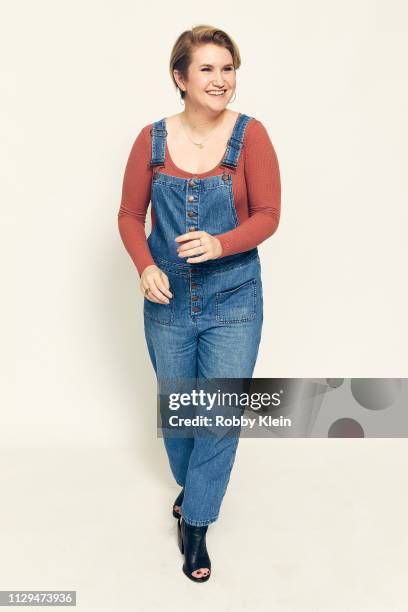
178	502
192	544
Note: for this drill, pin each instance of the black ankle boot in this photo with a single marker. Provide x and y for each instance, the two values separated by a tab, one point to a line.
192	544
178	502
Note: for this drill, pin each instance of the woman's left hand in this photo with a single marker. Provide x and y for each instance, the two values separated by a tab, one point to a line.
198	243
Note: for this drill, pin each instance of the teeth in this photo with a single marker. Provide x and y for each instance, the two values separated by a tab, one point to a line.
216	93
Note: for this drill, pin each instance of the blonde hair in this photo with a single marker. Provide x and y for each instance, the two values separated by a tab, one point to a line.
188	41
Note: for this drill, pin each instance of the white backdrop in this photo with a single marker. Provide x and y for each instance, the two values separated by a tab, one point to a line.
79	82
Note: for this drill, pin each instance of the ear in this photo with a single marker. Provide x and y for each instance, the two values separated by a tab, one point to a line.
179	80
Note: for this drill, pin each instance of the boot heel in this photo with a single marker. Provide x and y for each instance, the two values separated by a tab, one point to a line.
180	537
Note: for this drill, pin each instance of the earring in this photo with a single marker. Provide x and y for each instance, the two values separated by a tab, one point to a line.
235	94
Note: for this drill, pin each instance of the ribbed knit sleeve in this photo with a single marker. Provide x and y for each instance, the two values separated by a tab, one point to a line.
263	183
135	201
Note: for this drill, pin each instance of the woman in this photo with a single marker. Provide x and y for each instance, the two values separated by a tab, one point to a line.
212	177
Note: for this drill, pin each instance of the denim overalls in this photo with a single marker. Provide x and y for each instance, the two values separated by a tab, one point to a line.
212	326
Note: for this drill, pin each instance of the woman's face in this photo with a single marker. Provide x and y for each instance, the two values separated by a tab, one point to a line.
211	70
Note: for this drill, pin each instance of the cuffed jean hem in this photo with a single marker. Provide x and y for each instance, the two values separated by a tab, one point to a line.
198	523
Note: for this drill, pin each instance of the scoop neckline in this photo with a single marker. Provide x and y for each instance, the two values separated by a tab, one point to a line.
197	174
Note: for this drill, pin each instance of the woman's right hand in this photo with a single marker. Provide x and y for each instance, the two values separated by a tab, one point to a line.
158	284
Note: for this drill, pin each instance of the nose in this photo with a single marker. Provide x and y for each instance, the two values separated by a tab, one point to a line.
219	80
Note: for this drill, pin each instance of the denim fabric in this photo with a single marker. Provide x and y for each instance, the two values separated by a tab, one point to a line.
212	326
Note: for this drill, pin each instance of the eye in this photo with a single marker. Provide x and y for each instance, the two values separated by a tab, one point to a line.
228	68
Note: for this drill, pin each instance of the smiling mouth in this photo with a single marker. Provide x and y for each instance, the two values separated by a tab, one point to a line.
216	92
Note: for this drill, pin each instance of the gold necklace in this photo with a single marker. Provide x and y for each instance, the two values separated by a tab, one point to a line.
200	145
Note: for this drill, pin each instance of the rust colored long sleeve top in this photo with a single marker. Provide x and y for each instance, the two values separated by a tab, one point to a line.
256	189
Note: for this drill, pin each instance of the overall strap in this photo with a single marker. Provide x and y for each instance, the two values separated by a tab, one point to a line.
158	133
236	142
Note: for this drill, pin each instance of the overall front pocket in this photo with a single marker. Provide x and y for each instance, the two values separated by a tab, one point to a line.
160	313
238	304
